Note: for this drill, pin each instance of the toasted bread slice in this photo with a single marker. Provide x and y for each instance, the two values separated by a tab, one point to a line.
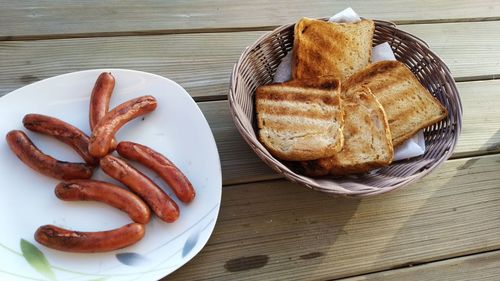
300	120
408	105
367	139
325	48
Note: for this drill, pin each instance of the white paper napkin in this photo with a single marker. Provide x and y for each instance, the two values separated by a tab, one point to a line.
348	15
382	52
414	146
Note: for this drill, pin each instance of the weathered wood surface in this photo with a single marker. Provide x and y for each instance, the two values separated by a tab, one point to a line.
199	62
446	225
202	63
469	57
276	230
480	267
39	19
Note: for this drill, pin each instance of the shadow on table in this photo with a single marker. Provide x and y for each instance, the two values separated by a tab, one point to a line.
455	211
269	226
493	143
276	229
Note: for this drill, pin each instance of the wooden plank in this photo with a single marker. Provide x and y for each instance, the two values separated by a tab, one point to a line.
482	267
276	230
480	134
202	63
481	125
473	56
35	19
238	162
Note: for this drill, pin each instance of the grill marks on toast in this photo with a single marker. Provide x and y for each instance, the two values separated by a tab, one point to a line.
324	131
300	120
297	125
296	94
325	48
311	53
305	110
408	105
367	139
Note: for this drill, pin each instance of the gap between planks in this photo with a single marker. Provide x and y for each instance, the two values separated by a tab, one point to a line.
487	262
35	37
34	18
202	63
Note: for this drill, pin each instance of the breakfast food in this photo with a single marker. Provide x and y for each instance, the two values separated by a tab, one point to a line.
382	104
99	100
325	48
89	242
91	190
62	131
155	161
30	155
100	97
367	139
161	204
408	105
94	150
104	131
300	120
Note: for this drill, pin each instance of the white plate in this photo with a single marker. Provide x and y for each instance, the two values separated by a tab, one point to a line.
177	128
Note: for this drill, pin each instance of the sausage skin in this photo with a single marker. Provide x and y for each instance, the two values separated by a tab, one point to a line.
115	196
89	242
62	131
104	131
155	161
161	204
99	100
30	155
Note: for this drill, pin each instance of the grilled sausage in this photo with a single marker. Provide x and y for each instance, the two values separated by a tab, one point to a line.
90	190
99	100
89	242
161	204
160	165
62	131
28	153
103	133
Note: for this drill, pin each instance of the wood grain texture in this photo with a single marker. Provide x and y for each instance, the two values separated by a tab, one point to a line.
481	122
480	267
276	230
468	57
480	132
202	63
41	18
238	162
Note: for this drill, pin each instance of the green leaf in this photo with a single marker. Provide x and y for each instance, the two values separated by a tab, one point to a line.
37	259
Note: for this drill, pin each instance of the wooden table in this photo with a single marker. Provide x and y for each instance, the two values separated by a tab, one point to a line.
444	227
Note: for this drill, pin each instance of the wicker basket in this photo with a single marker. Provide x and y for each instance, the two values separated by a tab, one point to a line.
258	64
